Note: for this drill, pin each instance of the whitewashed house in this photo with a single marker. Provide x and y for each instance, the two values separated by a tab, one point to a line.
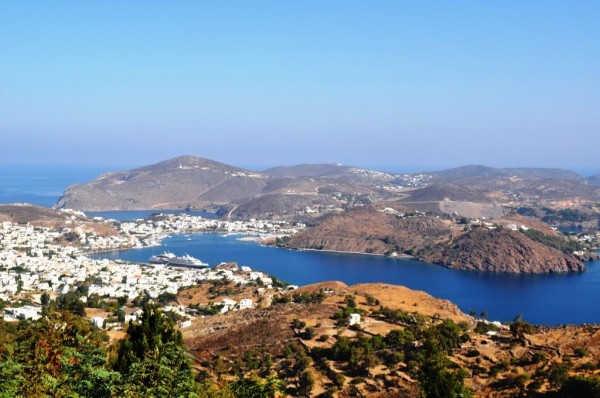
354	319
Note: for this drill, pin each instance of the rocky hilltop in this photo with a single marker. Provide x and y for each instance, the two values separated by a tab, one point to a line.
442	191
307	170
338	172
503	250
367	230
38	216
175	183
507	185
190	181
594	180
476	171
25	214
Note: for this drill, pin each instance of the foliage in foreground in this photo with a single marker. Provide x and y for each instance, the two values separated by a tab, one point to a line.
64	355
59	355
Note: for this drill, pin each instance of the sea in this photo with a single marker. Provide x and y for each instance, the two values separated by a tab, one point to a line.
540	299
41	185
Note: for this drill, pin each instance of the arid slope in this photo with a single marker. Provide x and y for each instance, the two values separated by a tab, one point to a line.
366	230
503	250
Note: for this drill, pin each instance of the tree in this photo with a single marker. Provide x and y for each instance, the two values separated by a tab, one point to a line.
580	352
437	375
166	298
341	350
338	379
580	386
120	315
446	335
151	358
397	339
11	373
59	355
436	378
308	334
298	324
372	301
519	328
45	299
362	359
302	361
350	301
558	374
70	302
254	387
306	383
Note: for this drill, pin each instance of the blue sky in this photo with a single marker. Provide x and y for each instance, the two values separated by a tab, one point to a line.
387	84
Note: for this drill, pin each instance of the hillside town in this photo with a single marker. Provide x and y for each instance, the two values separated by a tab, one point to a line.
37	260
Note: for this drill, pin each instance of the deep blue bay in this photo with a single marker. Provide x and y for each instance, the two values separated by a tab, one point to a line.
544	299
541	299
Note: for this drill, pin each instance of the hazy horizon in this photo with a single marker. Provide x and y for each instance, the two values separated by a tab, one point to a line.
89	169
399	87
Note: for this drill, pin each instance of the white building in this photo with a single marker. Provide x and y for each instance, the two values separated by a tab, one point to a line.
25	312
98	321
354	319
245	304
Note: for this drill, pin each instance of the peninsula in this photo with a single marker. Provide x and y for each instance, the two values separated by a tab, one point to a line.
499	246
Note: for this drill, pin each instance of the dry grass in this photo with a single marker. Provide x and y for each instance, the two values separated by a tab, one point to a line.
269	330
403	298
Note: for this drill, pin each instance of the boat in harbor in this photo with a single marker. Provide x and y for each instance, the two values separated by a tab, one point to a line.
170	259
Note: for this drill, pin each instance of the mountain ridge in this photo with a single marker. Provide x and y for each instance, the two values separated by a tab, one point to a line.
196	182
520	172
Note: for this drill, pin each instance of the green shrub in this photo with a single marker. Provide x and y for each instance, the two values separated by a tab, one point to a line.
580	352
